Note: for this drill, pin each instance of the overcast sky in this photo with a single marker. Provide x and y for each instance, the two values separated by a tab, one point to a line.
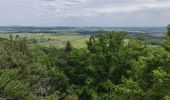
85	12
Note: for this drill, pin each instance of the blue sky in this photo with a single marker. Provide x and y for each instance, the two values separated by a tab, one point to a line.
85	12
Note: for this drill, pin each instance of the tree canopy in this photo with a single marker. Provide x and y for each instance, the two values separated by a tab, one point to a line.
110	68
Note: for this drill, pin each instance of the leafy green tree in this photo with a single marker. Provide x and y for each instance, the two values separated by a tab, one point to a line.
10	85
15	54
168	30
68	48
110	68
166	43
57	83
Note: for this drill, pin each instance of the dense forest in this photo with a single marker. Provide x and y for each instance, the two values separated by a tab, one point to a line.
109	68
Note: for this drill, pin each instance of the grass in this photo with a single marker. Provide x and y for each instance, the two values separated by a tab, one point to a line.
59	40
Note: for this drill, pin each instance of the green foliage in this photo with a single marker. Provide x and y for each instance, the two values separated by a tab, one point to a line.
15	54
57	82
11	86
166	43
68	48
168	30
16	89
110	68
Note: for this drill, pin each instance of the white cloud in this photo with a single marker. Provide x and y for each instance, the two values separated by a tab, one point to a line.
85	12
88	8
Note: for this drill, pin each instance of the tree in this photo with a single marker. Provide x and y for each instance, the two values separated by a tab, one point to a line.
57	83
166	43
15	54
168	30
11	87
111	67
68	48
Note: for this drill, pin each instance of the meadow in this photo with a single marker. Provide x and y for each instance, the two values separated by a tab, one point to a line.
78	36
48	39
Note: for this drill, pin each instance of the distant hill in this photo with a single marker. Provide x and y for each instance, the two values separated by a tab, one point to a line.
159	31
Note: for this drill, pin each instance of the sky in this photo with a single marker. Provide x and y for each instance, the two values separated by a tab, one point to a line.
116	13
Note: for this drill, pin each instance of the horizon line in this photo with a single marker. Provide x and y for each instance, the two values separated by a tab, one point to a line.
77	26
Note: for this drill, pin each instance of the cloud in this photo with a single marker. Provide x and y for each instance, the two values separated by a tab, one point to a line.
97	7
85	12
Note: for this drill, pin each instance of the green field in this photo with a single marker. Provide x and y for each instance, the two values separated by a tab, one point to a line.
59	40
77	40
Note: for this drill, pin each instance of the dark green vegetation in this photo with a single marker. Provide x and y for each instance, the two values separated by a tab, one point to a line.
110	68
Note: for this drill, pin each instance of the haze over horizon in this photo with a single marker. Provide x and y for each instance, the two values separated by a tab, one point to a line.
122	13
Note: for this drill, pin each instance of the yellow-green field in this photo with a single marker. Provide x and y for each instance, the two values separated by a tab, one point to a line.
77	40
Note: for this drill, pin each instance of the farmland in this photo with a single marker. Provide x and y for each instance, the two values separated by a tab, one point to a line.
59	40
58	36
